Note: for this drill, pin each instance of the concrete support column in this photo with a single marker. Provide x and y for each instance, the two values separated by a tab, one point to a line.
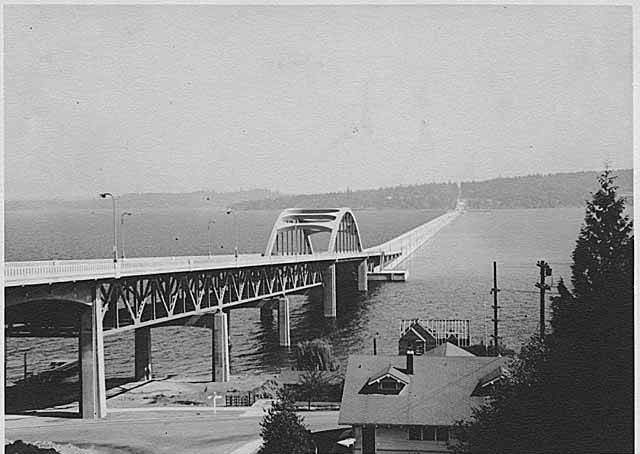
143	354
329	280
362	276
229	328
220	347
283	322
93	394
382	264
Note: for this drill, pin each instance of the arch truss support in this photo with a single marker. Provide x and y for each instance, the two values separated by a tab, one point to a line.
291	234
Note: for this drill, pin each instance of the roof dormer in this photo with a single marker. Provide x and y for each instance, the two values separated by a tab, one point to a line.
388	381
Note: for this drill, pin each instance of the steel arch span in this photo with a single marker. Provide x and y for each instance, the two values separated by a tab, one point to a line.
292	231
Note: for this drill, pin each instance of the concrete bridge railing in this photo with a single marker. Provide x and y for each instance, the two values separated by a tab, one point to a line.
30	272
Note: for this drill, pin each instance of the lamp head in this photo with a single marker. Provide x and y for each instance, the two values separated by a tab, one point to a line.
104	195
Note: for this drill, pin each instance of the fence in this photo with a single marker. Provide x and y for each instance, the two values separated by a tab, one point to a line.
238	399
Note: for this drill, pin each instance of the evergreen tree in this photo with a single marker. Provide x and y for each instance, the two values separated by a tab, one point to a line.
592	341
573	393
283	431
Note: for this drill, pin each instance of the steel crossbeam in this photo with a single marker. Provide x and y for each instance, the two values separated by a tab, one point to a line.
134	302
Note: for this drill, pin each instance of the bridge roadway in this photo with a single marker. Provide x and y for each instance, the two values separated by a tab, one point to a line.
58	271
91	298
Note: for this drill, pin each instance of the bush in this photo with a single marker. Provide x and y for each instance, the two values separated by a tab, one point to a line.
283	431
314	355
20	447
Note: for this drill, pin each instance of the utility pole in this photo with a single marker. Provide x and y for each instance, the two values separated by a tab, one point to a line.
545	270
495	291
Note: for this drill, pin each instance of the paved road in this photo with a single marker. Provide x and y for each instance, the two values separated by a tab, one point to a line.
158	432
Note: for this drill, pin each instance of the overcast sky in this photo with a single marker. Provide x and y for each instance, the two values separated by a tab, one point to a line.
305	99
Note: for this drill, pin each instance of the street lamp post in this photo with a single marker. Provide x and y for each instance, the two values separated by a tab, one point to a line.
211	222
104	195
125	213
235	228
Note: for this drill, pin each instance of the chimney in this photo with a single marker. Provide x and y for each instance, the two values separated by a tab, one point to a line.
410	362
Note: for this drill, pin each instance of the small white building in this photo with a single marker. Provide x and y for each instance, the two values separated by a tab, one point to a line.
407	404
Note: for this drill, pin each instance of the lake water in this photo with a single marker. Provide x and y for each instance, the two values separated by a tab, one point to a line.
450	277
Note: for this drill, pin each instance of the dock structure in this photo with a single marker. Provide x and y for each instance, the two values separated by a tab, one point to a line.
91	299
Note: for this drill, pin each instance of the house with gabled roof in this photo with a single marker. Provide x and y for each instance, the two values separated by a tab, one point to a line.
416	338
406	404
421	336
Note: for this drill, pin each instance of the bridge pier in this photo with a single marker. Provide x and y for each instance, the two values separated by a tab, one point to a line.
266	313
329	283
93	393
220	348
228	312
284	332
143	354
362	276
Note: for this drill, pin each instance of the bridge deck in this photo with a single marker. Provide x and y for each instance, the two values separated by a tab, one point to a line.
46	272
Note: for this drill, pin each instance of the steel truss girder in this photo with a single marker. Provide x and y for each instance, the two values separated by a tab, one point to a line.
134	302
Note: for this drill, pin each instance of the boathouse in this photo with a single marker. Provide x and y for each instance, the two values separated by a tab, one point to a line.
421	336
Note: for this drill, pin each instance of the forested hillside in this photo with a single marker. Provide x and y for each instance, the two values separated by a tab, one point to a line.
423	196
534	191
539	191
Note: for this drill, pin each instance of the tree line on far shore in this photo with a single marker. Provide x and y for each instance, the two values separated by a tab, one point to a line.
533	191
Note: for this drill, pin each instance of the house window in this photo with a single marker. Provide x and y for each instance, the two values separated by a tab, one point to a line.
442	433
388	384
429	433
415	433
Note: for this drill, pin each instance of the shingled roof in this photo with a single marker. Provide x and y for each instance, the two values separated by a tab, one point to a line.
439	391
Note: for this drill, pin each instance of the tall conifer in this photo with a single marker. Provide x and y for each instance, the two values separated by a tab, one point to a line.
573	393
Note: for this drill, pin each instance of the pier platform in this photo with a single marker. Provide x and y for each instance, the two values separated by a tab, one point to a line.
388	275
